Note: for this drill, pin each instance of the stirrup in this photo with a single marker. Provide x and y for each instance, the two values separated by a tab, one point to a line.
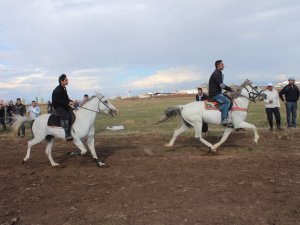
69	138
226	123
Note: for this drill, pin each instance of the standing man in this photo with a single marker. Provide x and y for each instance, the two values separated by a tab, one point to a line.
272	106
215	87
20	109
49	108
85	99
63	105
34	111
291	96
2	116
201	96
9	111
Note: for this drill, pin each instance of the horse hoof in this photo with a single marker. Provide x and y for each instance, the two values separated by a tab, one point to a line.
75	153
99	163
213	150
55	164
168	145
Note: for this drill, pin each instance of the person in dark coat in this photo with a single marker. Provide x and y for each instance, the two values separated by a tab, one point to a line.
2	116
50	108
20	109
201	96
9	111
215	87
290	95
63	105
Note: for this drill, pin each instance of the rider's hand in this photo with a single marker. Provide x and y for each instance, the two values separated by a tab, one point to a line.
233	90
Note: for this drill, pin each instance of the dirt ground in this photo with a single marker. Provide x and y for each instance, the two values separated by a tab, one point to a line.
147	184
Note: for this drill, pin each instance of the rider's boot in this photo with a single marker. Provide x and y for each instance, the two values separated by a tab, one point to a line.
67	128
226	123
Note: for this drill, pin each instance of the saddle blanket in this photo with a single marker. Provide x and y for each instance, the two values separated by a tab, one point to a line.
213	105
54	121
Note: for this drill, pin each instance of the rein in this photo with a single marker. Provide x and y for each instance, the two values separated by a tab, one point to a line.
97	111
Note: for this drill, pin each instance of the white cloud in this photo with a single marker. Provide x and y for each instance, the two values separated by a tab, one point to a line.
106	44
281	77
167	77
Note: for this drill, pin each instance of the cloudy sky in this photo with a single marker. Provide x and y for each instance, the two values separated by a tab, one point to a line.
113	46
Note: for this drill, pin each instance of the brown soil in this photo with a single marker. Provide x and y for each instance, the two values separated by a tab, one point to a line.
147	184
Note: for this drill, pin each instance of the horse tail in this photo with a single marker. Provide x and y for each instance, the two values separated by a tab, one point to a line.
170	113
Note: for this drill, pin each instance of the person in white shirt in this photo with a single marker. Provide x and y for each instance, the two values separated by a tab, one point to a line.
34	111
272	104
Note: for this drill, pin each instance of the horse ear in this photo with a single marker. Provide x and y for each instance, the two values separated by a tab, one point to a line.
98	94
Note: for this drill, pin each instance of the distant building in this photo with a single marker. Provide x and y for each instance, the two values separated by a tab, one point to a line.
187	92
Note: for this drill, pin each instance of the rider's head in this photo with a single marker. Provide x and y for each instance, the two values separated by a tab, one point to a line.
219	65
33	103
63	80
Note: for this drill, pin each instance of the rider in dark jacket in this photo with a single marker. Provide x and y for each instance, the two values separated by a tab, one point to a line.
215	87
63	105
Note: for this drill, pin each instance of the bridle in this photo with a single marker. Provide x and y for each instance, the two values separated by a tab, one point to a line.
252	94
97	111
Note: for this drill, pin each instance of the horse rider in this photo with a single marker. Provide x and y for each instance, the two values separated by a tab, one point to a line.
63	105
215	87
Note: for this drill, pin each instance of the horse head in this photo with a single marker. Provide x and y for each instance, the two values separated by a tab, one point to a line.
105	106
251	92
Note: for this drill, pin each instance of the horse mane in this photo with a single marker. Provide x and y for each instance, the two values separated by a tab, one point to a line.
246	82
238	89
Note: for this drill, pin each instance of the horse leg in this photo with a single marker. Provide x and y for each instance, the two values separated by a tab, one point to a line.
37	139
48	151
91	145
226	133
182	129
77	141
244	124
198	133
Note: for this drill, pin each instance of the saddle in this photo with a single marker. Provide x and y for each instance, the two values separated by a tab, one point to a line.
54	120
211	104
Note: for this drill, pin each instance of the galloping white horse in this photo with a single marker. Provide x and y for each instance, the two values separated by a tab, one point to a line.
194	114
82	129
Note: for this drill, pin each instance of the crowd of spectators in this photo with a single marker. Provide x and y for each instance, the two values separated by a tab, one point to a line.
8	110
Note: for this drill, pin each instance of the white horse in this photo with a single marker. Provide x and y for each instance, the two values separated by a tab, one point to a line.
82	129
194	114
